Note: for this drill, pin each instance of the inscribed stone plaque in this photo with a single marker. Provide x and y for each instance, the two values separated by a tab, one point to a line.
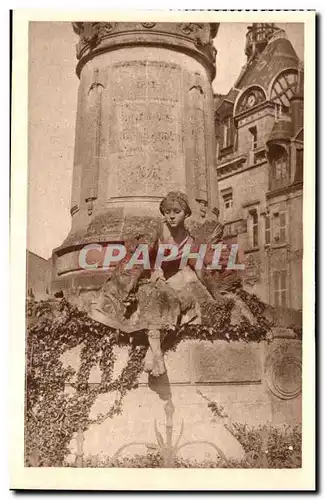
146	133
226	363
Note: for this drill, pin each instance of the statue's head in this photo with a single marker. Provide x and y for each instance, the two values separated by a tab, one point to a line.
175	208
174	198
203	207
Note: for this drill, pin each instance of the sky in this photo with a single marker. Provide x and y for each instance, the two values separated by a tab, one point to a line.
53	87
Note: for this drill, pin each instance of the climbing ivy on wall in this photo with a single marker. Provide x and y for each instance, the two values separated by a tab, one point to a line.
52	415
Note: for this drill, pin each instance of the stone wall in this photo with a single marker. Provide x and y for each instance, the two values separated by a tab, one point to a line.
253	383
38	276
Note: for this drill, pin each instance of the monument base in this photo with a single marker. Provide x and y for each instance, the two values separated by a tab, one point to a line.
209	389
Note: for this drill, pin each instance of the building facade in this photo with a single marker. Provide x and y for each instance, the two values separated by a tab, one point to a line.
259	130
38	276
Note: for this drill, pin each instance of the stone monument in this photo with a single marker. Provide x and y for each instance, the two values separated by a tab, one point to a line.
144	126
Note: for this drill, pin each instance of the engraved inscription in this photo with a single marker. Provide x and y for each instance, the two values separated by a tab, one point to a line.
145	132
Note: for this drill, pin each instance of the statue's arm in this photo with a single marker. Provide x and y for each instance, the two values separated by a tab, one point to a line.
126	275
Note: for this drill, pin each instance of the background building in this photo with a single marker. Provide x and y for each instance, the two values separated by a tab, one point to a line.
38	276
259	128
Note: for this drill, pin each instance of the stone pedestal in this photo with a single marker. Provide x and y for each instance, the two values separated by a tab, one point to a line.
252	383
144	126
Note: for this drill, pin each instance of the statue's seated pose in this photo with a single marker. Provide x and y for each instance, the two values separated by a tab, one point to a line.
139	297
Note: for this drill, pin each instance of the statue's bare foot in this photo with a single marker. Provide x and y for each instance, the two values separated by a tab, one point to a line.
149	361
159	365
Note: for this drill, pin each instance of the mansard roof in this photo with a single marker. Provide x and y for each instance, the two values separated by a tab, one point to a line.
277	56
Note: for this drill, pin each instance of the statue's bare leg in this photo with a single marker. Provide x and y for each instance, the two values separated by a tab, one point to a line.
154	362
149	361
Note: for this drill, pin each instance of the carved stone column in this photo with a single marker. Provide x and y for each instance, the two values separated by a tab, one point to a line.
144	127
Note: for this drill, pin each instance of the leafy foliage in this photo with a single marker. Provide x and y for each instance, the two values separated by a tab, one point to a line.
265	447
52	414
55	326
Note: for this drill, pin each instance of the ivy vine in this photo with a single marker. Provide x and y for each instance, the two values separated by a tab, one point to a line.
53	415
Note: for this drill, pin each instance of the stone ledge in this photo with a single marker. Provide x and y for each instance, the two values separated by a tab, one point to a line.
240	364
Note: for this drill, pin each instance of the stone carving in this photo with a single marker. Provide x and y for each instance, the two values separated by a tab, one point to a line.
95	37
189	28
144	138
250	99
283	370
219	364
91	34
203	208
136	300
148	25
106	28
232	166
202	36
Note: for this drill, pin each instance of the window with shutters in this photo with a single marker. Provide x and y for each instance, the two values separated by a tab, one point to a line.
227	200
227	133
280	227
280	288
254	227
253	131
267	228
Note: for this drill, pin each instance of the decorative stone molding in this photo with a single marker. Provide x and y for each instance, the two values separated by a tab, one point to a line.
148	25
98	37
250	98
91	34
232	166
283	370
234	228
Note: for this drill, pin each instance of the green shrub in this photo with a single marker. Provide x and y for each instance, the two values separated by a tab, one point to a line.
265	447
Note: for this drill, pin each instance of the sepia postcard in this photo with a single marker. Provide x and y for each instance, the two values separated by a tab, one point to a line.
162	250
